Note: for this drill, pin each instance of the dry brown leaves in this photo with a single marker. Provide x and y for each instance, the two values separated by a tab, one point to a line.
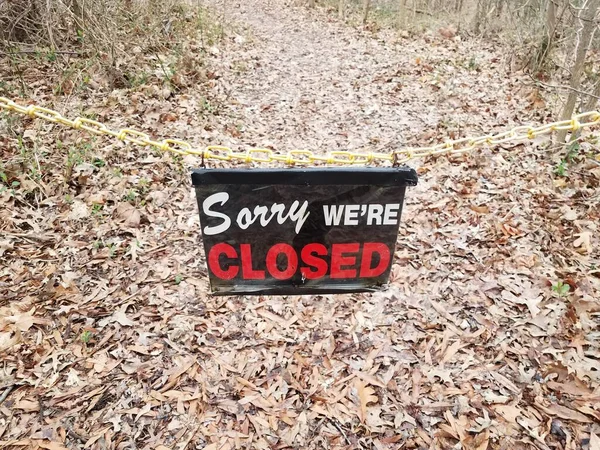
109	339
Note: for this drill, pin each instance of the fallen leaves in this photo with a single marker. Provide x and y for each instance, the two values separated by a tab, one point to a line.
594	442
107	334
583	243
12	326
27	405
34	444
564	413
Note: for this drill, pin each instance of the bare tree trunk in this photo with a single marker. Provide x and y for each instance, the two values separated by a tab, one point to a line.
551	19
499	7
550	23
342	9
593	100
590	105
458	6
366	5
78	14
402	14
545	49
479	15
583	38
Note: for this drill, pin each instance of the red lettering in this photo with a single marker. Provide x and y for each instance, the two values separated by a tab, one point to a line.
369	249
347	261
319	265
248	273
214	255
338	260
292	261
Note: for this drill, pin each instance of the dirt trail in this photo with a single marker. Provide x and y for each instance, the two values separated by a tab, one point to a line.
309	82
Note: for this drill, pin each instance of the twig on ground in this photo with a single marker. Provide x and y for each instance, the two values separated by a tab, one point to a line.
338	426
6	393
21	52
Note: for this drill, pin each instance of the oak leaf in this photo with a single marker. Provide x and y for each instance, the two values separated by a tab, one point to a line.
366	395
128	215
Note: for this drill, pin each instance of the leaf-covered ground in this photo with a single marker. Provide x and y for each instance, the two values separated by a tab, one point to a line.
488	337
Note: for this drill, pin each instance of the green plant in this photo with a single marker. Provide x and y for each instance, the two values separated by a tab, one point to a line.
3	176
137	79
89	115
210	30
10	187
12	121
207	106
97	209
572	153
473	64
239	67
561	168
86	336
130	196
6	87
592	139
76	155
178	279
98	162
112	250
562	289
143	187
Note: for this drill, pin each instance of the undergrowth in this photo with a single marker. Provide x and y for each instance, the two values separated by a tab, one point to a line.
142	51
111	45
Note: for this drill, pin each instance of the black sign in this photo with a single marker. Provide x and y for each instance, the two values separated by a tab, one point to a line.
300	231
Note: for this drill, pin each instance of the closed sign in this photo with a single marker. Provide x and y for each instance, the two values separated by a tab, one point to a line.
300	231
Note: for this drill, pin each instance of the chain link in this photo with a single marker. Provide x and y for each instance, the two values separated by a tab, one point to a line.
306	157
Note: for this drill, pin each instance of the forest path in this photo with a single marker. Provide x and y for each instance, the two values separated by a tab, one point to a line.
307	81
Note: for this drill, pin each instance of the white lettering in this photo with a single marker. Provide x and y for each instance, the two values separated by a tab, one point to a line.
277	208
374	214
262	212
245	219
298	214
351	215
220	197
333	214
390	216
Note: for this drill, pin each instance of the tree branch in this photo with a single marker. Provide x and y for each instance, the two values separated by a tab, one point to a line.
563	88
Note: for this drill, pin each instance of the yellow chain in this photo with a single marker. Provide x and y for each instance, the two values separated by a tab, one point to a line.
305	157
